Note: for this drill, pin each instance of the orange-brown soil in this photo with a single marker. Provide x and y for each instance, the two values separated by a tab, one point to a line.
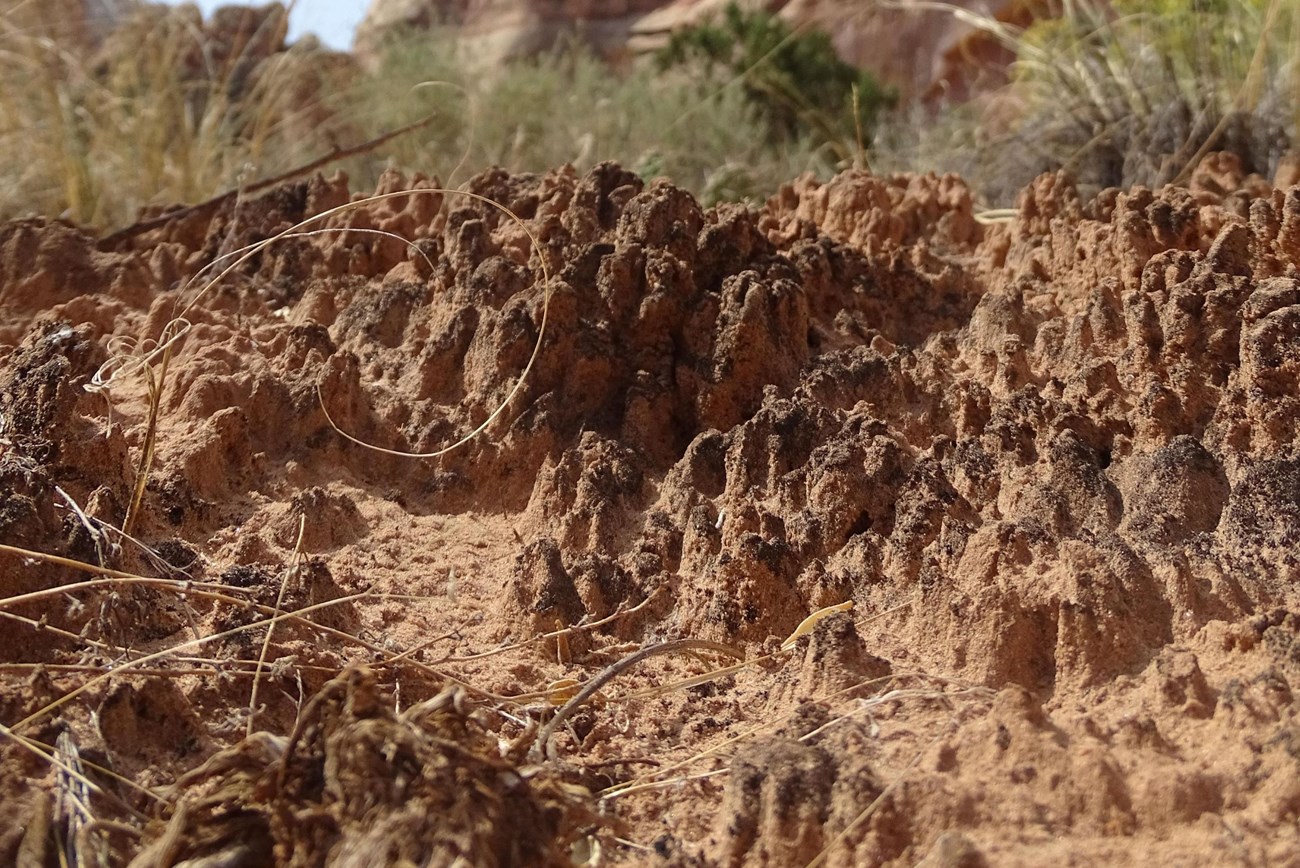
1053	463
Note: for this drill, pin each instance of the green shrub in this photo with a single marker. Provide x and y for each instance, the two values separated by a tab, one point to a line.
794	78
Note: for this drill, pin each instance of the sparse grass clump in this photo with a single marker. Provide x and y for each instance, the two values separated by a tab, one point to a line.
160	113
174	109
1123	93
568	106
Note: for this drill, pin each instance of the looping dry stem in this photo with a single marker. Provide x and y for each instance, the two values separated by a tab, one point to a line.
541	748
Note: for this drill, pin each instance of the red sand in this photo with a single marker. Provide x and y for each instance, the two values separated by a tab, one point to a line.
1053	463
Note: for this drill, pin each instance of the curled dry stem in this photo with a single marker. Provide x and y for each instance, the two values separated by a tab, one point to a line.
541	748
128	356
532	358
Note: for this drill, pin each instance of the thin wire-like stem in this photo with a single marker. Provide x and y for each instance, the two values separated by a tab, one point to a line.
294	565
156	384
541	748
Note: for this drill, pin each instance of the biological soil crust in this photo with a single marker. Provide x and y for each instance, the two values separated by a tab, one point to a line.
1051	462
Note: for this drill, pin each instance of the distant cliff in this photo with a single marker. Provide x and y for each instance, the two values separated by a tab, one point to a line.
925	53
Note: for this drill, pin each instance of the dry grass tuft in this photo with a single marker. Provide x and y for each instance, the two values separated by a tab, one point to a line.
165	110
1120	93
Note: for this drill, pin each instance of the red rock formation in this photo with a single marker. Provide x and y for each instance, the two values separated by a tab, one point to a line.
498	30
929	52
922	52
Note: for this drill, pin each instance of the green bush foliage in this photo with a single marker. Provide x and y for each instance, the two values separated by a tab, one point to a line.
794	78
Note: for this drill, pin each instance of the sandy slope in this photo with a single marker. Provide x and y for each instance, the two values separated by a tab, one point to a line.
1052	462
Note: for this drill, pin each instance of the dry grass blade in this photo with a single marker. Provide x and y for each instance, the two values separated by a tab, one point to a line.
1247	93
217	591
295	564
156	383
139	662
656	779
1004	33
245	804
75	772
542	637
103	547
214	666
41	626
715	674
651	780
866	813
